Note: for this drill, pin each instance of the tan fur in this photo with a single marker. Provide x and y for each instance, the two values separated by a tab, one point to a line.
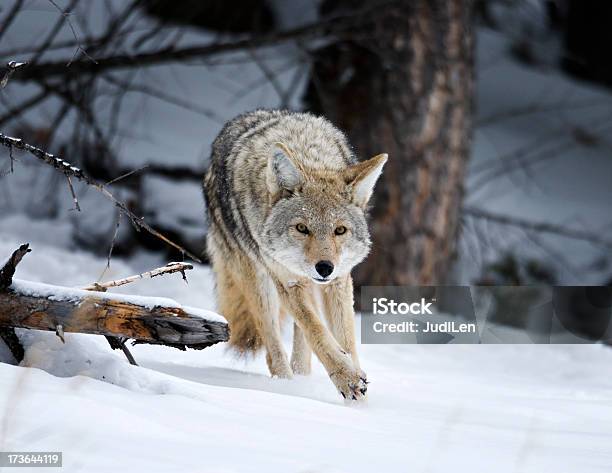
245	336
301	355
247	295
340	316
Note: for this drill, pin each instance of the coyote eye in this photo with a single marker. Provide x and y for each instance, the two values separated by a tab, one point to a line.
341	230
300	227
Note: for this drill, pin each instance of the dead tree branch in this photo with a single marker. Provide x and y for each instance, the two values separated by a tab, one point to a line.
72	171
65	16
8	270
334	26
8	334
170	268
42	49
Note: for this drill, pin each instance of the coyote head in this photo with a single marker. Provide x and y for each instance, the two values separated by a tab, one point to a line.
316	226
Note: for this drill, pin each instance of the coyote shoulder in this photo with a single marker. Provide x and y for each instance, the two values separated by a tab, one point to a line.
286	203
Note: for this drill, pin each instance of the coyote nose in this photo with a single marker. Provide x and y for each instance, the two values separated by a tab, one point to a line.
324	268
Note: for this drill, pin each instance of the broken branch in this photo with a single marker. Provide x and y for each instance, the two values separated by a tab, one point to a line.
8	270
72	171
8	334
170	268
117	343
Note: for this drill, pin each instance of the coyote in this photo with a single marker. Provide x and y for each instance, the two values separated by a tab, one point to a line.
287	205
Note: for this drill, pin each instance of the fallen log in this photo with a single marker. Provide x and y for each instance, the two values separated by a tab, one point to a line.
39	306
153	320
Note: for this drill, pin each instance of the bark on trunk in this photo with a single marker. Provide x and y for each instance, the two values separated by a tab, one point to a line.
403	86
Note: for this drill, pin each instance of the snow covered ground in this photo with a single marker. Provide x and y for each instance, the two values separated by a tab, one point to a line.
460	408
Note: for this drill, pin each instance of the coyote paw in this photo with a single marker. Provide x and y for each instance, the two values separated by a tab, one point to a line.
301	367
279	368
351	383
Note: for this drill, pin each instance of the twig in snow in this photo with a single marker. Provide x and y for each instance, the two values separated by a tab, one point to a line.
119	343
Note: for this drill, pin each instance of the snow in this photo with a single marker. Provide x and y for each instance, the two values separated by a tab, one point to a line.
431	408
204	314
74	295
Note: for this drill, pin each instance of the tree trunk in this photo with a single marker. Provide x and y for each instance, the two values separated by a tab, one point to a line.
403	85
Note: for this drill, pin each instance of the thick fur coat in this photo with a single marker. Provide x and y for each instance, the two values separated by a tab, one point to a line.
286	201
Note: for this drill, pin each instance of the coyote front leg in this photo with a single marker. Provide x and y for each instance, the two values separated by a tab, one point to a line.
349	380
301	354
266	308
340	314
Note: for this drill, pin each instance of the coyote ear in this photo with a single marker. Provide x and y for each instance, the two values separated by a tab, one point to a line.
362	176
283	172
